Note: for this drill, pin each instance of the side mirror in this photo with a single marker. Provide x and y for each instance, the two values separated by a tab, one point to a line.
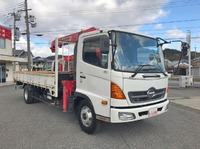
104	44
184	48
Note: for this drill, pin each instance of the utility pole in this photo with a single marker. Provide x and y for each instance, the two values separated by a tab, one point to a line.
14	48
14	28
189	52
188	38
195	52
16	17
28	36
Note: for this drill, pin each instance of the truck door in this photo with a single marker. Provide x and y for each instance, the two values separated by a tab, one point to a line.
93	75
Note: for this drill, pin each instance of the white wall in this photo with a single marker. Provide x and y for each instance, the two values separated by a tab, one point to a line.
9	73
195	71
8	49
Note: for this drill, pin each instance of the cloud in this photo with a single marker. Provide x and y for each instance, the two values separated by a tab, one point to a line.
22	44
43	51
62	17
175	33
158	26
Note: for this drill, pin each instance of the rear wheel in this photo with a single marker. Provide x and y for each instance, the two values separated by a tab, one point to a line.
87	117
28	94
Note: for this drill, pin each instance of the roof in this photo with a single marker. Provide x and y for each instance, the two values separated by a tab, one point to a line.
21	53
175	63
196	59
39	59
182	65
18	52
5	27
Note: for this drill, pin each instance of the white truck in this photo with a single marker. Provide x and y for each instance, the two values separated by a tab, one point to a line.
117	77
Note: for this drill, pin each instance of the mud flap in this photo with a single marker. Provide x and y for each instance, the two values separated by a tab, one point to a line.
70	104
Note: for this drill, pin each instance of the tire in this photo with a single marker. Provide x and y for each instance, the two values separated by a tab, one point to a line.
28	95
87	117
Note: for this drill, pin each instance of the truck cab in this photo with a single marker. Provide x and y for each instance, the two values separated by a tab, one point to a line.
122	75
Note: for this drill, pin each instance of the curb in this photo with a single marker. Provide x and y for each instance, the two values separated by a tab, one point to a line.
189	98
3	85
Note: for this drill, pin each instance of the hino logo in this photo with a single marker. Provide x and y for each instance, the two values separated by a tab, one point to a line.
151	92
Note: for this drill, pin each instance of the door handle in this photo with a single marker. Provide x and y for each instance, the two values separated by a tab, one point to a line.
83	77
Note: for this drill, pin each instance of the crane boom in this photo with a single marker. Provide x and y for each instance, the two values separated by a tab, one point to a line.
72	38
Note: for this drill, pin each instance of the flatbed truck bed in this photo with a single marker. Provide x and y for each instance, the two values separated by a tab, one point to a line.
43	79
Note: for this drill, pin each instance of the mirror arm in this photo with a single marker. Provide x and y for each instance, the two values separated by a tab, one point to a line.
160	44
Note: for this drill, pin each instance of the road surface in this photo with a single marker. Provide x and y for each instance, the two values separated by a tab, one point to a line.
42	126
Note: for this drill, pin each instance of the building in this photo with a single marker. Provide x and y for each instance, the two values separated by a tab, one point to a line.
22	54
177	69
171	67
196	62
6	55
195	70
38	63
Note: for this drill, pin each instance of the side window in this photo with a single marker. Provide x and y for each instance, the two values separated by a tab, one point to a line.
2	43
92	54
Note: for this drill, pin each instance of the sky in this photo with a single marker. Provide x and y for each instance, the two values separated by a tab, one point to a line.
168	19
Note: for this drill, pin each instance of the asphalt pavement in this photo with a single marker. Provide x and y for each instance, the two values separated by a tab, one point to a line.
39	125
189	96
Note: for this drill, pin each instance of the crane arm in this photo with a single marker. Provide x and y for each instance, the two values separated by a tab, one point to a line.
72	38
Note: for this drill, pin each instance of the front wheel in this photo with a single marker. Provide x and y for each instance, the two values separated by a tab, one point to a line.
86	117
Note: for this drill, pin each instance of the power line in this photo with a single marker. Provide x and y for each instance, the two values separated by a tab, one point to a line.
167	22
8	8
169	29
72	13
132	8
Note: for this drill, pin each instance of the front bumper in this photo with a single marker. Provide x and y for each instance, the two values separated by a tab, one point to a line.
138	112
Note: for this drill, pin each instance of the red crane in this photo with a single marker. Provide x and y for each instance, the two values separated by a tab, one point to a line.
70	38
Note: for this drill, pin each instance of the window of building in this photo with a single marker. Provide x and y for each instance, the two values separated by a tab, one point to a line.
92	54
2	43
2	72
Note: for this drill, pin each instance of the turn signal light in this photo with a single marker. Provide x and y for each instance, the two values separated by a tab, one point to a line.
167	89
116	92
103	102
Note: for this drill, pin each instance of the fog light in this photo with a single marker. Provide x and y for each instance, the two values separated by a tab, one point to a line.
126	116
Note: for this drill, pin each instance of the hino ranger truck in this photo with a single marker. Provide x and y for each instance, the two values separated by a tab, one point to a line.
117	77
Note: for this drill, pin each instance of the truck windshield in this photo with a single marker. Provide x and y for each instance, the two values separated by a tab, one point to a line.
131	51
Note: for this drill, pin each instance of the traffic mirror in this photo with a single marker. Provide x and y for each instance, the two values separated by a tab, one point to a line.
184	48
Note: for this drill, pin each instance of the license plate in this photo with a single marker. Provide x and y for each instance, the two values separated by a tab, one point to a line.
153	111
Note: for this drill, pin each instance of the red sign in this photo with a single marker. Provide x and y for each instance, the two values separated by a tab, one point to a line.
5	33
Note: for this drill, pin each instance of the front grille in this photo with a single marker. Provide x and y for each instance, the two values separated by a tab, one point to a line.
142	96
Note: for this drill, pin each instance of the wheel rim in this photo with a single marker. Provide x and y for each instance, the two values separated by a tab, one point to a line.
26	94
86	116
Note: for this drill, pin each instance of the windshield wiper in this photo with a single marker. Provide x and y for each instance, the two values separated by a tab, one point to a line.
141	66
138	70
160	69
